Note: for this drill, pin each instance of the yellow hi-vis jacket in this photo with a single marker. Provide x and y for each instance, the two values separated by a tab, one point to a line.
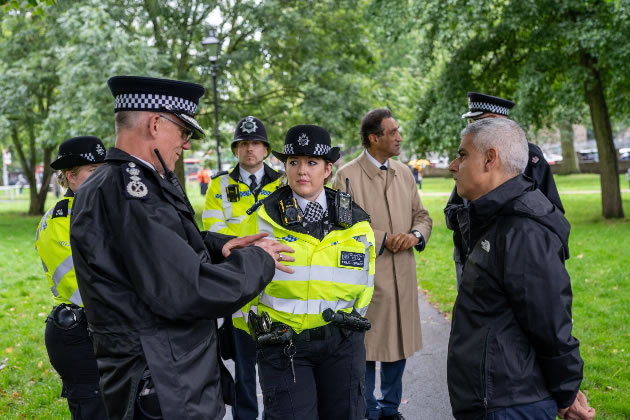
224	216
230	218
52	242
336	272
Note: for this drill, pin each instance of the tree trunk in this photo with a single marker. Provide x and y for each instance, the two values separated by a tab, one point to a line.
608	165
569	158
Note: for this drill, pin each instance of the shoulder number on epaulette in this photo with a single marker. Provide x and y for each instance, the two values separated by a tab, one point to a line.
61	209
133	180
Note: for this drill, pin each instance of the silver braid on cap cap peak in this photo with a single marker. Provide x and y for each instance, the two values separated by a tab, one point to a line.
140	101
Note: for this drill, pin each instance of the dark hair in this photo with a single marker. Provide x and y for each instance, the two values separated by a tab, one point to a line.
371	124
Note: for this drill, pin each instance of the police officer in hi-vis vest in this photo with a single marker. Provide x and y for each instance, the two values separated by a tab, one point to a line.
309	325
67	341
229	197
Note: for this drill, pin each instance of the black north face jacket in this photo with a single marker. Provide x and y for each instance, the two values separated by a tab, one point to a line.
511	339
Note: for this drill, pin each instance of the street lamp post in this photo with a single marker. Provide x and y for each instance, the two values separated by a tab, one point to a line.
212	40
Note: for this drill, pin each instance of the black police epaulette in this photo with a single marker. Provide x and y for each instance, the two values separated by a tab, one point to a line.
61	209
133	181
218	174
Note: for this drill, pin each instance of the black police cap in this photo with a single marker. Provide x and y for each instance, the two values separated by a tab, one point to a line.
136	93
480	103
308	140
79	151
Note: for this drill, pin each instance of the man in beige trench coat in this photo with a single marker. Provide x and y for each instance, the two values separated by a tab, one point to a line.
387	191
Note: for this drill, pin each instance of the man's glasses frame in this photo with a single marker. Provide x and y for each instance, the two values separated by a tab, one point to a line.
187	133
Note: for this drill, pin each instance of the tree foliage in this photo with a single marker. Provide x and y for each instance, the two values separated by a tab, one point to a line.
556	59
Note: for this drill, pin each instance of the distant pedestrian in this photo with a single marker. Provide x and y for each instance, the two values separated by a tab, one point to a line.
511	354
386	189
204	179
21	182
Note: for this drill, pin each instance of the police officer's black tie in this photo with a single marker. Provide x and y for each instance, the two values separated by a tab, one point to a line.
383	168
313	212
253	185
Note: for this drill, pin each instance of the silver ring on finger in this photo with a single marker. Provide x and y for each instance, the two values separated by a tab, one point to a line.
279	257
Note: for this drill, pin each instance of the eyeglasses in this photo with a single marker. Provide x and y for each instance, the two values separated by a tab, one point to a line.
186	132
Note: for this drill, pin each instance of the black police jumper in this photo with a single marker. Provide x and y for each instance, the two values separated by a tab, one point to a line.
153	288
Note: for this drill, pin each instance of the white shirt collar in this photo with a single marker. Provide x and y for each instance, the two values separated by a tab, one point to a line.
146	163
245	175
376	162
321	199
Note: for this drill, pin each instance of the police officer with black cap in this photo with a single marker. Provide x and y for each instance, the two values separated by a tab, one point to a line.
68	344
153	284
309	325
482	106
231	195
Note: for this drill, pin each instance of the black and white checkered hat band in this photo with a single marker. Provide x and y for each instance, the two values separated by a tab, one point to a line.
152	101
320	150
487	107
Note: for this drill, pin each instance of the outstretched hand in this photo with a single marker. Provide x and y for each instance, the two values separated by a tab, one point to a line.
272	247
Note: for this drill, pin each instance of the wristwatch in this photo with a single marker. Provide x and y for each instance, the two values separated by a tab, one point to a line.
420	245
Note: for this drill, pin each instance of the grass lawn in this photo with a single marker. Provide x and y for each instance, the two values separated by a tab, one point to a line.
599	263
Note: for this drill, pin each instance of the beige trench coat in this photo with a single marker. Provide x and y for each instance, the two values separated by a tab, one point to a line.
392	200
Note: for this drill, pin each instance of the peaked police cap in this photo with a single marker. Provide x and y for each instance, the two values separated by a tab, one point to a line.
308	140
136	93
480	103
79	151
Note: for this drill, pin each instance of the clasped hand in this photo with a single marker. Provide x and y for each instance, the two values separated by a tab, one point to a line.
270	246
397	242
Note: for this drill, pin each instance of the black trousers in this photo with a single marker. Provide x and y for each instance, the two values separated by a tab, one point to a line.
329	379
72	355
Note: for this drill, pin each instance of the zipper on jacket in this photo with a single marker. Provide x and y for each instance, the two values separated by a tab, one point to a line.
484	376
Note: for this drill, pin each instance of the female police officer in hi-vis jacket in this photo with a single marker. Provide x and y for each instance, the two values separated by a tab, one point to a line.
309	367
67	341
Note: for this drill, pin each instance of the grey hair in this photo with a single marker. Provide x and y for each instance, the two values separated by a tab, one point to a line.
127	119
503	135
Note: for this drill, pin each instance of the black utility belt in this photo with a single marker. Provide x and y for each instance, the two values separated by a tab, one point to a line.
268	333
66	316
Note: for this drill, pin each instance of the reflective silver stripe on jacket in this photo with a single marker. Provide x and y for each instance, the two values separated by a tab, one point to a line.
215	214
224	181
76	298
301	307
61	270
245	315
324	273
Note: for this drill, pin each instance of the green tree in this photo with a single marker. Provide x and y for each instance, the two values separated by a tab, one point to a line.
554	58
52	81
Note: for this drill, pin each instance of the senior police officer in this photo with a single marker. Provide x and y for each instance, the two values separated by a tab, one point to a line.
152	283
231	195
68	344
308	325
482	106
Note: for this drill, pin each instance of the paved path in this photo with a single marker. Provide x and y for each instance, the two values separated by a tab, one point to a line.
425	394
